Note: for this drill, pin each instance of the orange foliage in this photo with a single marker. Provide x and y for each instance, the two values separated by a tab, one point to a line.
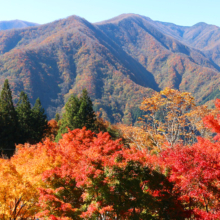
52	130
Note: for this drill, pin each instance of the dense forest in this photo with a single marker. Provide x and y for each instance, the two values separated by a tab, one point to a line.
118	61
20	124
80	166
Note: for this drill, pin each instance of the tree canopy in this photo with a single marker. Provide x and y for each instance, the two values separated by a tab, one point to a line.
8	120
21	123
79	113
88	175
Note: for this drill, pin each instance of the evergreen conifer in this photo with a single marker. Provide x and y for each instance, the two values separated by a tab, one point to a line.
25	119
86	114
39	121
78	113
8	120
32	122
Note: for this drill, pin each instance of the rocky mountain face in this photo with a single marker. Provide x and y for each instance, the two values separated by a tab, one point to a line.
119	61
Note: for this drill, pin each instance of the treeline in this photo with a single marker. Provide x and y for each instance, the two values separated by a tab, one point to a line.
20	123
79	113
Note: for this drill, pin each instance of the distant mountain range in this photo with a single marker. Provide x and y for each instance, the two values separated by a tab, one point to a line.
6	25
119	61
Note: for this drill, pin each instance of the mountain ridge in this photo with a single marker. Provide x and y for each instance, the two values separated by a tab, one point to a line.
15	24
119	61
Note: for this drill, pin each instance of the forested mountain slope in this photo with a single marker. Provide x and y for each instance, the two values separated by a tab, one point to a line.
201	36
171	62
118	61
53	61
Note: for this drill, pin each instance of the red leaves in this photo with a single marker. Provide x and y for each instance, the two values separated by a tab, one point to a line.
92	208
196	173
88	162
84	155
87	175
211	122
217	104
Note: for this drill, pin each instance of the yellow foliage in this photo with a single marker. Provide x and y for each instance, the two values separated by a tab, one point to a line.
17	194
21	176
171	117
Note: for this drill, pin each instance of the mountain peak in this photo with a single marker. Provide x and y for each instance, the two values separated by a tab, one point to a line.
120	18
204	25
74	17
200	24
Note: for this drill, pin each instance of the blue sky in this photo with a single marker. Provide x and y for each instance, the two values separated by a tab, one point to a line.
181	12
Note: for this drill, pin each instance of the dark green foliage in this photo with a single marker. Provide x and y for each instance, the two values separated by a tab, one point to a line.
32	123
70	116
25	119
78	114
21	124
8	120
86	114
132	189
39	121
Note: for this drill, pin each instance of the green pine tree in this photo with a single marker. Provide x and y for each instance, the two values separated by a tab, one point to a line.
86	114
78	113
70	116
39	121
25	119
8	120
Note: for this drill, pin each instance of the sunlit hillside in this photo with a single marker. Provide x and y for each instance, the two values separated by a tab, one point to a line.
119	61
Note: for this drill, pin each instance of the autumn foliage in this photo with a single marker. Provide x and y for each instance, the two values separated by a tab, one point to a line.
196	172
84	176
91	176
170	117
